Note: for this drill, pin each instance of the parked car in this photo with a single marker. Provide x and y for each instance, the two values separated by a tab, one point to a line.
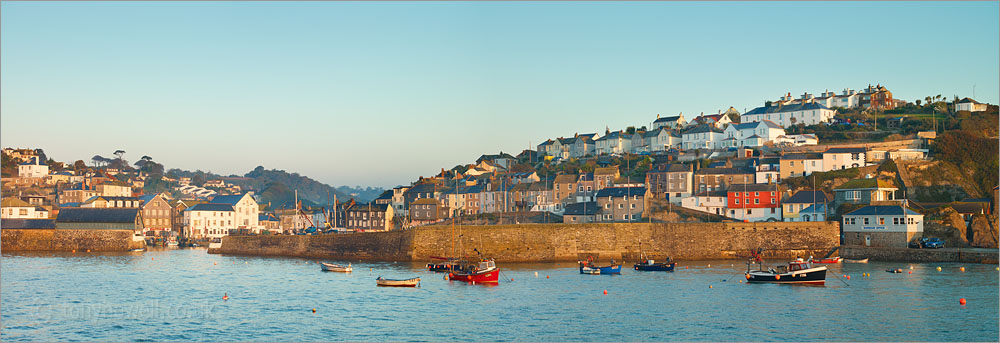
933	243
915	244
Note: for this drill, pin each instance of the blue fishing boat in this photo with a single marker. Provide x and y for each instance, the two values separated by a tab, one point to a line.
653	266
588	267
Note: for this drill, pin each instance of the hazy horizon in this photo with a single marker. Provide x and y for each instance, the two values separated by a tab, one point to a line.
377	94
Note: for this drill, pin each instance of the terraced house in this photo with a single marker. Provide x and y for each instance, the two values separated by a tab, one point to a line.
865	191
670	181
622	204
719	179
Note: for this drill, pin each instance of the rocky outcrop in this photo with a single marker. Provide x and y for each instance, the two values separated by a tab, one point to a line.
983	234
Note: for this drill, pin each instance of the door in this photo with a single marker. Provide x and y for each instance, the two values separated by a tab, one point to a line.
868	240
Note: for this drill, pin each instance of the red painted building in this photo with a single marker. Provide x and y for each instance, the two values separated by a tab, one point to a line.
754	202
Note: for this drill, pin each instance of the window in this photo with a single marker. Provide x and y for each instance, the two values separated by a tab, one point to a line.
624	217
607	205
881	221
865	220
737	201
732	213
756	201
909	220
749	211
772	212
621	206
756	194
737	194
632	205
23	211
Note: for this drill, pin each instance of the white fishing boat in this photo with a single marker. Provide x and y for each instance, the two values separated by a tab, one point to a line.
330	267
383	282
847	260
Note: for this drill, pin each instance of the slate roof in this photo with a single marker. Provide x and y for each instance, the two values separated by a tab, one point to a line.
97	215
888	210
721	171
211	207
369	207
606	171
23	223
421	188
669	168
667	119
787	108
566	178
263	217
581	209
806	156
754	187
969	207
227	199
806	197
621	191
865	184
967	100
712	194
703	128
615	135
13	202
844	150
813	209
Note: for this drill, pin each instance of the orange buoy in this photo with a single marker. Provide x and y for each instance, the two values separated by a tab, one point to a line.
511	279
748	277
961	301
961	268
848	277
741	281
605	292
546	276
215	263
88	250
777	276
74	250
225	296
709	286
911	272
314	310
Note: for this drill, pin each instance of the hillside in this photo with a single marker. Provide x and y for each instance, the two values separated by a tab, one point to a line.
278	187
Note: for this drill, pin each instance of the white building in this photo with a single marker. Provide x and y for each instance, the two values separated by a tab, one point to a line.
16	208
797	140
209	220
114	189
675	122
882	226
787	115
702	137
710	202
33	168
753	134
661	140
616	142
970	105
843	158
245	208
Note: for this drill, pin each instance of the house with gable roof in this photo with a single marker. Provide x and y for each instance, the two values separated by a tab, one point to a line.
751	134
810	113
33	168
967	104
702	137
245	209
616	142
674	122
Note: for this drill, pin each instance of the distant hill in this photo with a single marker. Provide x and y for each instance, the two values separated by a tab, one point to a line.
278	187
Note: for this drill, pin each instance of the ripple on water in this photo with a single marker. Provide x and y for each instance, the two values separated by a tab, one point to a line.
177	297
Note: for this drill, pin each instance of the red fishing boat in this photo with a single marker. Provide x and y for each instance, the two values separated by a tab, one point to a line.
485	271
837	259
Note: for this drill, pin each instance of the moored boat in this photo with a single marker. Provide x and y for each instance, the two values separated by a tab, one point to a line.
847	260
837	259
330	267
653	266
383	282
894	271
446	265
588	267
797	271
485	271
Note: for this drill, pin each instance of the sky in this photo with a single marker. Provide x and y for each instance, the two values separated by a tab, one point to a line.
377	94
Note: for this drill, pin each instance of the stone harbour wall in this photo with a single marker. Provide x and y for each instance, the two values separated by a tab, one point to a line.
67	240
969	255
554	242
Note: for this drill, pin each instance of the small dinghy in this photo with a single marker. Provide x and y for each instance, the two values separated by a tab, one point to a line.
330	267
856	261
894	271
383	282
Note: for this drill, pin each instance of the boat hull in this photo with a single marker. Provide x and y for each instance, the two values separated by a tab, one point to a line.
828	260
608	270
330	267
856	261
808	276
487	276
655	267
414	282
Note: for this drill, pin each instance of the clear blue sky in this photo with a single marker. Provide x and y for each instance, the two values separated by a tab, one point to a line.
380	93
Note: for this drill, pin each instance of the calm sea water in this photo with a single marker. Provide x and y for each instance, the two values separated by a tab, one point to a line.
176	295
